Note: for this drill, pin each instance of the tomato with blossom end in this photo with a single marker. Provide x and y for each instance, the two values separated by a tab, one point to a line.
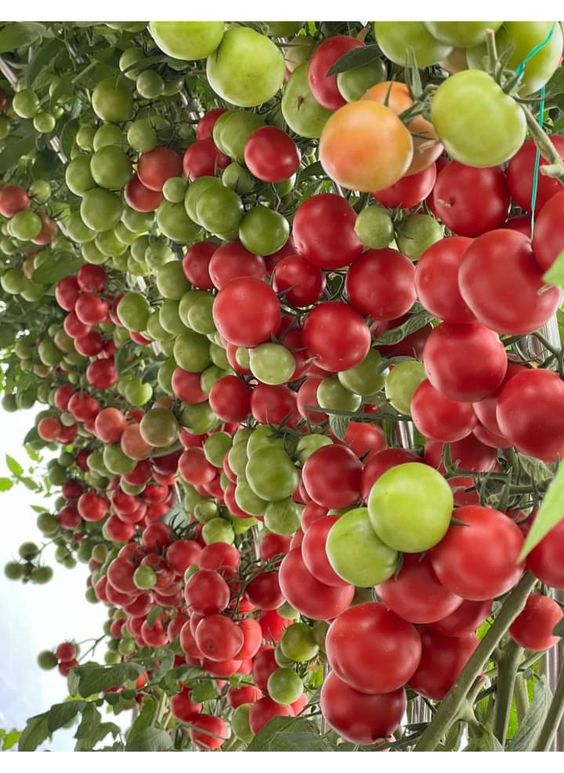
464	362
530	414
195	468
314	552
372	649
219	555
548	239
323	231
246	312
533	627
66	652
381	284
442	660
501	282
157	165
415	594
272	545
203	159
357	717
465	568
336	336
209	732
102	374
436	280
218	637
438	417
207	592
231	261
271	155
546	560
410	190
324	86
331	476
49	428
301	282
310	597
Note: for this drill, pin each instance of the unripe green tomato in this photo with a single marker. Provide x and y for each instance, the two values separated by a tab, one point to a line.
218	530
417	233
320	629
366	378
219	357
28	551
4	127
240	723
149	84
40	575
396	37
333	395
288	613
237	178
199	419
130	57
263	231
112	100
298	643
272	364
144	577
111	659
216	446
47	660
204	510
374	227
174	189
25	225
13	570
247	500
263	437
100	552
353	84
44	123
171	281
91	597
401	382
309	444
85	137
110	167
25	103
107	134
126	646
285	686
282	517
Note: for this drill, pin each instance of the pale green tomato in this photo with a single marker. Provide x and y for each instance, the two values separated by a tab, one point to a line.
417	233
401	382
272	363
396	37
282	517
374	227
187	40
366	378
308	444
301	111
333	395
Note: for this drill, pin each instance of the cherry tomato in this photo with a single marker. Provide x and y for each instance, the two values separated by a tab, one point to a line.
246	312
331	476
323	86
436	280
381	284
465	618
533	627
438	417
323	231
310	597
410	191
271	155
546	560
548	239
336	336
520	176
442	660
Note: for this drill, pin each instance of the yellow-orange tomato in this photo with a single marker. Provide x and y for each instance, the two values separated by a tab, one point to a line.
426	145
365	147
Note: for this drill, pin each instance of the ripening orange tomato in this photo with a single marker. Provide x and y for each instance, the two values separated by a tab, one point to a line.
426	145
365	147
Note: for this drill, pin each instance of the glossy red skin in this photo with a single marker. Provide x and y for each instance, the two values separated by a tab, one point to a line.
313	551
66	292
251	632
436	280
546	560
310	514
309	596
186	386
442	660
90	344
207	122
264	591
364	438
520	174
230	399
238	696
415	594
265	709
372	649
214	725
13	199
271	155
274	404
331	476
465	362
471	200
218	637
530	413
521	223
438	417
465	567
465	619
246	312
203	159
300	281
91	278
90	309
357	717
156	166
376	464
92	507
264	664
336	336
381	284
272	545
533	627
66	652
502	284
182	708
101	374
548	239
195	468
232	261
323	231
488	438
272	625
207	592
486	409
409	191
139	197
324	87
195	265
307	395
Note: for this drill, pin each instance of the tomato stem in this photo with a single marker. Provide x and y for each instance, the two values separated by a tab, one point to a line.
521	697
553	718
508	666
449	708
555	167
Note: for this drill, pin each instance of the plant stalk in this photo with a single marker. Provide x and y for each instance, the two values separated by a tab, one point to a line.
521	697
507	672
553	718
452	703
555	166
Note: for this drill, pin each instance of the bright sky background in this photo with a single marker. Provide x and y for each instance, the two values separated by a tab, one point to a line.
34	617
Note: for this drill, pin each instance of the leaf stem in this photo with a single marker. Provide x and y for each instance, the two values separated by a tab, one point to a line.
452	703
508	666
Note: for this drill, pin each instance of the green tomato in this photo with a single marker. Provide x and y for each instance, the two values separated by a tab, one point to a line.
25	103
137	222
417	233
410	507
133	311
247	500
353	84
85	137
246	69
240	723
288	613
232	130
25	225
209	377
218	530
285	686
264	231
164	376
116	461
171	281
112	100
282	517
374	227
141	136
521	37
109	245
356	554
272	364
110	167
216	447
238	459
298	643
100	209
205	511
301	111
237	178
174	223
333	395
272	475
219	210
174	189
200	315
78	231
131	56
144	577
107	134
192	352
477	123
4	127
395	37
263	437
187	40
401	382
219	356
44	123
199	418
366	378
159	427
461	34
194	192
149	84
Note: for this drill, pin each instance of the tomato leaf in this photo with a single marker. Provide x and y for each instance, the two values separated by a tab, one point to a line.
34	733
525	738
204	691
17	34
559	628
549	514
62	713
289	734
93	678
6	484
56	268
339	425
14	466
484	741
145	717
357	57
150	739
10	739
555	274
397	334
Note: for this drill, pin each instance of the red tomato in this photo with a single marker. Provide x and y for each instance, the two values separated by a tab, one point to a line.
436	280
467	454
336	336
313	551
357	717
533	628
215	731
331	476
500	281
195	265
372	649
465	618
264	664
381	284
13	199
218	637
307	396
363	438
477	559
156	166
264	591
323	231
520	173
207	122
182	708
438	417
274	404
206	592
232	261
263	710
546	561
299	280
486	409
246	312
548	239
378	462
409	191
415	594
470	200
230	399
139	197
464	362
323	86
442	660
271	155
530	413
203	159
309	596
